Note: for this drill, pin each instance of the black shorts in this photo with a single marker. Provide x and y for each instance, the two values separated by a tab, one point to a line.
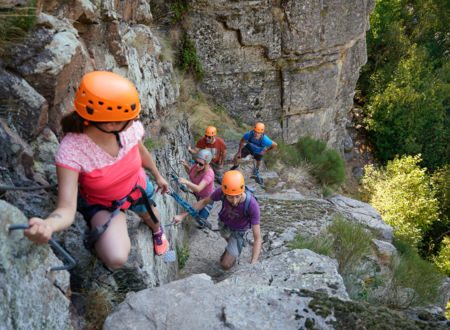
246	151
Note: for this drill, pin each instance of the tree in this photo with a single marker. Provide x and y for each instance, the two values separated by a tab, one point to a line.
402	193
405	84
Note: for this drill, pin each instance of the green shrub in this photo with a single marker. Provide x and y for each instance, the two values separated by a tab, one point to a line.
188	58
182	255
328	165
346	241
442	260
179	8
402	193
15	23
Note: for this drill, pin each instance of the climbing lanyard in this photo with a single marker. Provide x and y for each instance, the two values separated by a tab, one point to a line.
71	261
188	207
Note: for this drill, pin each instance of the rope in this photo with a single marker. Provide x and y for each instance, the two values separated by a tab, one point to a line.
6	188
185	204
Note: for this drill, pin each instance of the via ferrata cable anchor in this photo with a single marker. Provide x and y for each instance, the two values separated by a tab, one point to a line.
71	262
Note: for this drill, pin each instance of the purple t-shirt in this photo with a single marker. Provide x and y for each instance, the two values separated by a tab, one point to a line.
208	176
235	218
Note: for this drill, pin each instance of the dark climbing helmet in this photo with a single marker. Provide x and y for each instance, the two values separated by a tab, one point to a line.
106	96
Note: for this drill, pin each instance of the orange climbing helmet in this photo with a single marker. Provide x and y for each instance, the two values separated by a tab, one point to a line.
233	183
211	131
259	127
106	96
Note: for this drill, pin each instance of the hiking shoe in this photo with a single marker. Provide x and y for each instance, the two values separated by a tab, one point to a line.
234	167
161	242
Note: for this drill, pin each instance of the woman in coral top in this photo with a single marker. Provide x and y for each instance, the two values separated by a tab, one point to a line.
101	159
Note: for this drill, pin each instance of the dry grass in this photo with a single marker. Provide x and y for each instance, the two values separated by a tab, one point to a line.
167	45
99	304
203	112
278	13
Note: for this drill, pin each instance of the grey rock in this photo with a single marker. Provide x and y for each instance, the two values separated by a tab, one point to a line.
296	269
291	64
21	106
196	303
12	3
31	296
364	214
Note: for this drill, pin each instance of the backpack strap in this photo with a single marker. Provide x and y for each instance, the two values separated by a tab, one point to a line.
248	199
252	134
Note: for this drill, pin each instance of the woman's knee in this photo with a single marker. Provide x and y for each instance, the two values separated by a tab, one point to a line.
116	260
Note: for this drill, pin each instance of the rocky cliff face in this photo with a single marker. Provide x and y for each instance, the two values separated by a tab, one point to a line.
291	64
39	76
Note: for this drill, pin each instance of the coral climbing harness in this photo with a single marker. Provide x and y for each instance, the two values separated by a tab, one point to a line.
71	262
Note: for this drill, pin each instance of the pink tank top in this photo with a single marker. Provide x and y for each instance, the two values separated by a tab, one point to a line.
102	177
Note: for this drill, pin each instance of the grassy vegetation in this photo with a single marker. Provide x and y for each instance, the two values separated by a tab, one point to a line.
153	143
188	60
321	245
409	270
326	165
409	281
204	112
99	304
183	255
351	241
15	23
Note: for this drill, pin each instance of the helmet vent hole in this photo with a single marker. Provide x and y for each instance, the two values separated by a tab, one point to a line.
225	186
119	107
89	110
91	102
100	102
126	110
133	106
84	93
109	108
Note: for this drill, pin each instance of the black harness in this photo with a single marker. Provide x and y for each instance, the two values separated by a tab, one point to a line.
95	233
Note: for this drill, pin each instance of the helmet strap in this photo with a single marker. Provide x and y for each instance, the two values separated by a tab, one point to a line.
116	133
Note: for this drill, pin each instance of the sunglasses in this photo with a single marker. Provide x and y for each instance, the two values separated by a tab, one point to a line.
208	137
200	164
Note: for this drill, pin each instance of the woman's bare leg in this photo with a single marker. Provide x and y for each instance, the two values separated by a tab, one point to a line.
113	246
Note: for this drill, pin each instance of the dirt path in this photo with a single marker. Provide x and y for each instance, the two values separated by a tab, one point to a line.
207	246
